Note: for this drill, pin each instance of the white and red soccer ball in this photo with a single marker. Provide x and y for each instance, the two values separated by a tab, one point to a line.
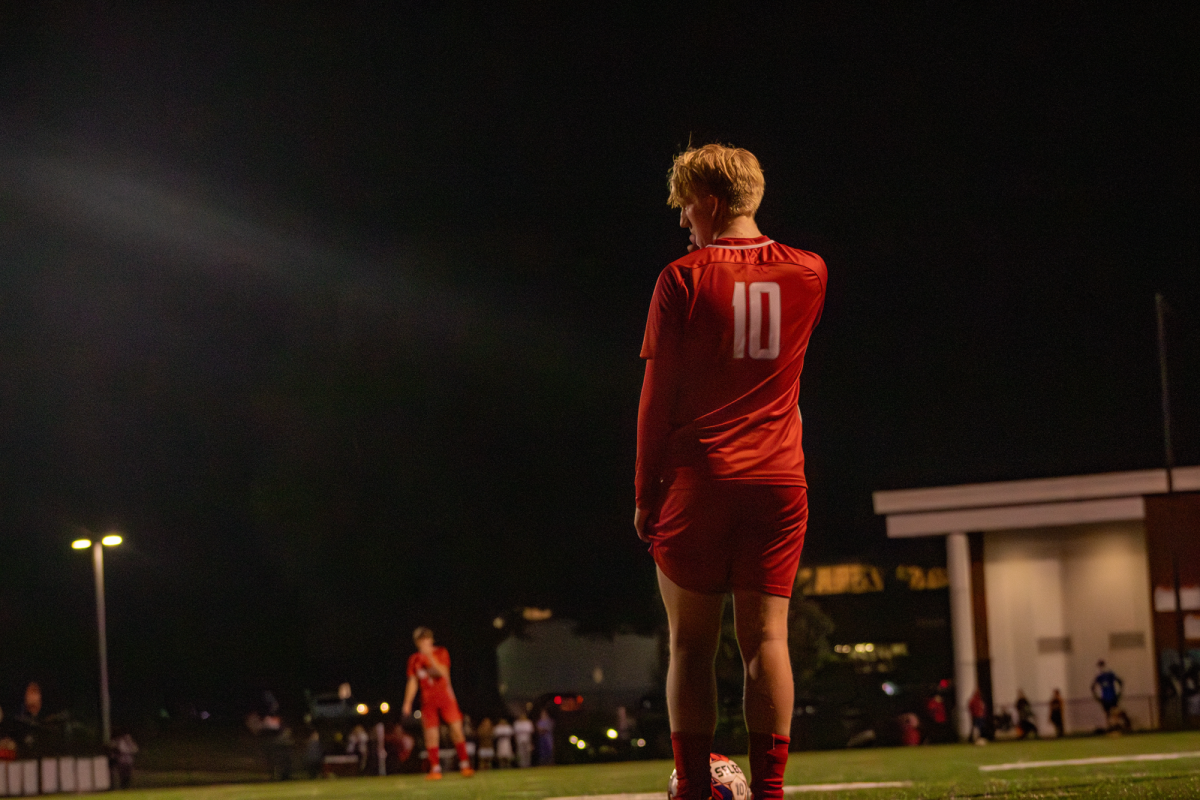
728	780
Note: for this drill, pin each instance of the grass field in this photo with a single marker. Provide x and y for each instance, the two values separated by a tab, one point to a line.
935	772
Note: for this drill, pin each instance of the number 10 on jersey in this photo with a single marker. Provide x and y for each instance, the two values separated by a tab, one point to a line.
757	290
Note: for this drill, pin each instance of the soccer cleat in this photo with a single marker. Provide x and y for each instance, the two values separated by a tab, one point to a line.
467	772
433	775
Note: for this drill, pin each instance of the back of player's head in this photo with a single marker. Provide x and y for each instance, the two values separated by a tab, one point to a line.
730	174
422	633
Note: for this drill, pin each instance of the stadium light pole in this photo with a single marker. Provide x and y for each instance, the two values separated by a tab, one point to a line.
109	540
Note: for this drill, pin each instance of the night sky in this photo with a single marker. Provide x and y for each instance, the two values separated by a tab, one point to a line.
334	310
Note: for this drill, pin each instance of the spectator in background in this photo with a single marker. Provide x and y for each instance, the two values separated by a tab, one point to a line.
486	737
936	709
1056	712
281	754
469	735
1107	687
523	732
314	754
1026	720
504	745
978	710
124	748
910	729
357	744
624	726
379	738
545	739
401	742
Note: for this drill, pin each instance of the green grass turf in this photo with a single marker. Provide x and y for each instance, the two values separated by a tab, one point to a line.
946	771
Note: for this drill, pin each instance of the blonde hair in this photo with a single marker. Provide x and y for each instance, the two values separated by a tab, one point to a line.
730	174
422	633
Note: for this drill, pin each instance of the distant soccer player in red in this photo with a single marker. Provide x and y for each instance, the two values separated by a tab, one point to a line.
721	494
429	668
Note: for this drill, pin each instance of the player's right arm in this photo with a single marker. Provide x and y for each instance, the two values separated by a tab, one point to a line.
410	693
664	329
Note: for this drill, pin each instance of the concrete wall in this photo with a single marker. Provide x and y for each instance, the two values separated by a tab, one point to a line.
1055	597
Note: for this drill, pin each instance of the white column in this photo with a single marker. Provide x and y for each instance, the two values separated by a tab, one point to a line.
962	628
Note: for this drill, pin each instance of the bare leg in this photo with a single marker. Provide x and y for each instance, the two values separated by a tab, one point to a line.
761	621
456	732
432	740
695	621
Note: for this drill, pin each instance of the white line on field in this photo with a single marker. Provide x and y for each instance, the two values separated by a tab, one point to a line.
840	787
807	787
1074	762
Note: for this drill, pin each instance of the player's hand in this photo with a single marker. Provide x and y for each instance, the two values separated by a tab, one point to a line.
406	710
640	518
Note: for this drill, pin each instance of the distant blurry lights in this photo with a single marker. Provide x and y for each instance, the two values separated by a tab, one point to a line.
581	744
573	739
890	688
384	707
81	544
498	623
640	743
611	733
417	714
361	708
111	540
531	614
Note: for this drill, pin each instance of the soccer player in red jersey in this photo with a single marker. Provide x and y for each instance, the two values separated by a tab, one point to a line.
720	488
429	668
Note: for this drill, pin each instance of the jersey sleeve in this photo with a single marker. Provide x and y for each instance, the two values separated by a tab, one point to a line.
660	348
664	322
412	665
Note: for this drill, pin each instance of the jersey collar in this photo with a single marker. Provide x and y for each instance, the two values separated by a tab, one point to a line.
741	244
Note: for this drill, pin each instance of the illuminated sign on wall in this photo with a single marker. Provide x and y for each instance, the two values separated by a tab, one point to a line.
919	578
839	579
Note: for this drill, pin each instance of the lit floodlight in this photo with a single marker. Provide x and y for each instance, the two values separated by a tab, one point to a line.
581	744
361	708
417	714
498	623
112	540
640	743
81	544
573	739
384	707
611	733
890	688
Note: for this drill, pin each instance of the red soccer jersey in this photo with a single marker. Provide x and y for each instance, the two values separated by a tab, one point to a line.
725	340
431	686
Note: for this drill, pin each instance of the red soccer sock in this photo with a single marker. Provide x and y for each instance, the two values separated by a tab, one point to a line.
463	758
768	760
434	764
693	779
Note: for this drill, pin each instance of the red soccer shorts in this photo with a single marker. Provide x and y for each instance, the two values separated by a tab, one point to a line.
438	709
718	536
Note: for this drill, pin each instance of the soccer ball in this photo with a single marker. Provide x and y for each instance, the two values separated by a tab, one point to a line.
728	780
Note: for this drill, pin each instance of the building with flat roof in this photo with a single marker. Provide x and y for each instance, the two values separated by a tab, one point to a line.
1049	576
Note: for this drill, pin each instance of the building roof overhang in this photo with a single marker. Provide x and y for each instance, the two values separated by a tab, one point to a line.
1040	502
